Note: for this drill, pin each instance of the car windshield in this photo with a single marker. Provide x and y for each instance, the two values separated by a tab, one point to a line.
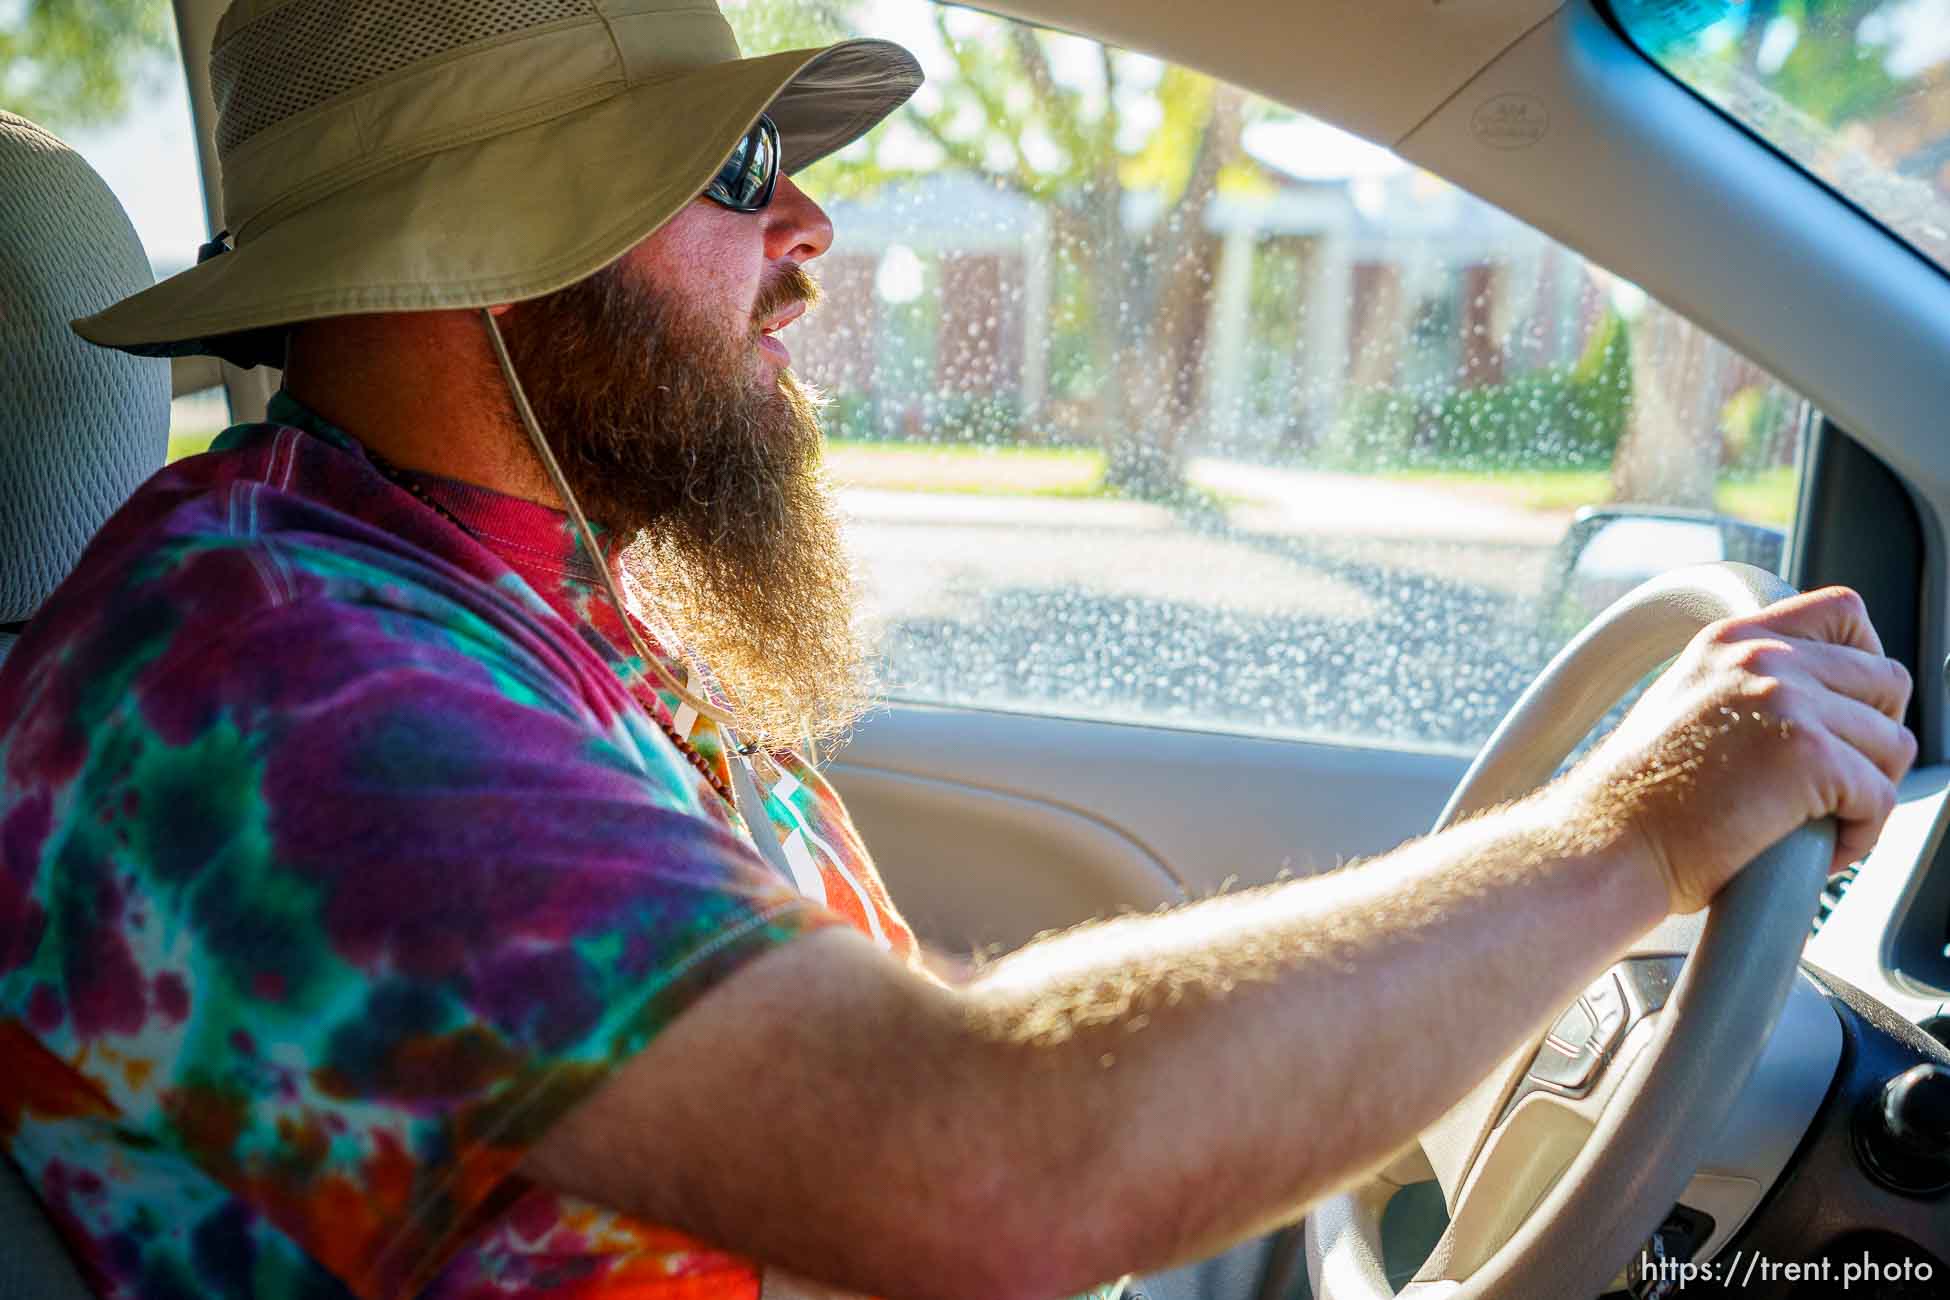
1856	91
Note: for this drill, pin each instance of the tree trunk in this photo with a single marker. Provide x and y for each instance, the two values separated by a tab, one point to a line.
1670	451
1165	311
1138	458
1161	368
1377	308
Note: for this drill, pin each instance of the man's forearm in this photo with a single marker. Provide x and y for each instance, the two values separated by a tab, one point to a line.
1117	1097
1222	1064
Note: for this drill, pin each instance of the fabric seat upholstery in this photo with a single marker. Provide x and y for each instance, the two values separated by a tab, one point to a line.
80	426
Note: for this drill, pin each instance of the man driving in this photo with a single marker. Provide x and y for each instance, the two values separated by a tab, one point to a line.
411	878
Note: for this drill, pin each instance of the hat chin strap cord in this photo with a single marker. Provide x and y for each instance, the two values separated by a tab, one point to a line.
588	535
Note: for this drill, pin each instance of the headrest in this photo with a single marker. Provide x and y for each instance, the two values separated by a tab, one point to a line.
80	426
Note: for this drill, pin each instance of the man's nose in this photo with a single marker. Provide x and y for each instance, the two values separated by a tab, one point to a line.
795	226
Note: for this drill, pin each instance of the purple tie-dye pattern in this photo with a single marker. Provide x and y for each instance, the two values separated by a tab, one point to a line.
334	867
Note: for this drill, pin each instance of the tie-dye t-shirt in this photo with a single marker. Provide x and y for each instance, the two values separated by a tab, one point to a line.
340	855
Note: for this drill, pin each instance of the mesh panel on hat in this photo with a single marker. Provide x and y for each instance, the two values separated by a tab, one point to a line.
301	54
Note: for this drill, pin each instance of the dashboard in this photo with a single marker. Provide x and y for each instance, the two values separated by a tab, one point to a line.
1888	931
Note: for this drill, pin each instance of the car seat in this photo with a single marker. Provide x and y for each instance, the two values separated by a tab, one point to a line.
80	428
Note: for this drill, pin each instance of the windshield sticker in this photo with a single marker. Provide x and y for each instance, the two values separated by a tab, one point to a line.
1510	121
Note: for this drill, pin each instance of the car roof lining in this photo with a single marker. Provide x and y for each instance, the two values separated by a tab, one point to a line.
1300	54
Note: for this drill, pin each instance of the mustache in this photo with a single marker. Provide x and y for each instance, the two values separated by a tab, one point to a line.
793	284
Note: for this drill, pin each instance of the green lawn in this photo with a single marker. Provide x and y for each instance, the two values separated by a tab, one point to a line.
1527	489
966	467
1767	497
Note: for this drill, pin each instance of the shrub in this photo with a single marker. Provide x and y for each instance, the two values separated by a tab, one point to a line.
988	420
1568	416
1754	428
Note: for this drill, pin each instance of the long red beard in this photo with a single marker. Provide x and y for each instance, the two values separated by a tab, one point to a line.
676	434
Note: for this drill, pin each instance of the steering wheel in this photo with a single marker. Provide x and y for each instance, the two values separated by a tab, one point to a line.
1559	1166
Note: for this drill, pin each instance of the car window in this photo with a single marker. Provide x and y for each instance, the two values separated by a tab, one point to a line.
1856	91
1151	400
141	141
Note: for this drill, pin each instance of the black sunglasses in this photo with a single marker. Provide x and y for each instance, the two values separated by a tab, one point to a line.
747	179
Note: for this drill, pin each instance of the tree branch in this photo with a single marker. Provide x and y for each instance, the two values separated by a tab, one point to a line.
1113	114
993	110
1218	145
1058	104
961	153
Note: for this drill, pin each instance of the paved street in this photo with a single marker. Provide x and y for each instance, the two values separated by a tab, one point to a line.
1327	604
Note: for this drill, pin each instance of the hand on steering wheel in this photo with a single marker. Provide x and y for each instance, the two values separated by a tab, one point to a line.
1799	700
1759	691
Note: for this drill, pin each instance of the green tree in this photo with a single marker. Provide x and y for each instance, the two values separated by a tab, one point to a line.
1123	154
73	63
1831	75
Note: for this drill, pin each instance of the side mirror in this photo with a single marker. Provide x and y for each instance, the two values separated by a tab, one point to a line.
1608	550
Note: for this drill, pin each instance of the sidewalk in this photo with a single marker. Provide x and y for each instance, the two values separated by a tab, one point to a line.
1291	502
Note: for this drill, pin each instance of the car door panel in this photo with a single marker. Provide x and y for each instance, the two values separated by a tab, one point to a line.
990	827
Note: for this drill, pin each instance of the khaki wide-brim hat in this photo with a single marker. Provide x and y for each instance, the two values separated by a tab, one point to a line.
417	155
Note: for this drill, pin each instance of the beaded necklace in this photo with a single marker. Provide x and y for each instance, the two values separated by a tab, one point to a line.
401	479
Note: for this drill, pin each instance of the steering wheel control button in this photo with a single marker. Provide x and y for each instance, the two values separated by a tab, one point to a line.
1574	1029
1590	1030
1903	1133
1582	1037
1561	1069
1569	1055
1607	1003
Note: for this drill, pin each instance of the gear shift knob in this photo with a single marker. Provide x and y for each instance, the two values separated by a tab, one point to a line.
1903	1136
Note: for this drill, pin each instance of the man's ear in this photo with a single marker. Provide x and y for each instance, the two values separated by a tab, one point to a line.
500	309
